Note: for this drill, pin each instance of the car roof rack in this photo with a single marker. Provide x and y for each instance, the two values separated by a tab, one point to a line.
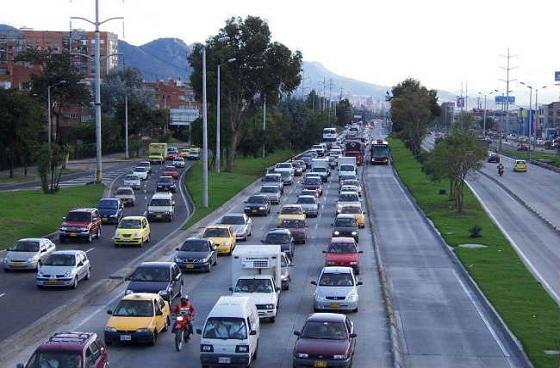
77	337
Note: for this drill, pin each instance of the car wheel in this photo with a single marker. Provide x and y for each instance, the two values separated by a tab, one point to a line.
88	274
61	239
167	324
209	268
98	235
272	319
107	342
75	283
153	340
90	238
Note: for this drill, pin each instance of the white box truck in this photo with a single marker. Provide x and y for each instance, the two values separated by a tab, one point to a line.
321	167
256	271
347	166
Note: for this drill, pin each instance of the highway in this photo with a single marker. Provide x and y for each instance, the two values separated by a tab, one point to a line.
277	339
22	302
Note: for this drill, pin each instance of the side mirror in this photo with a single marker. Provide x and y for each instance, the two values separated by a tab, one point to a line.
324	251
64	218
360	251
177	249
313	282
253	333
332	225
230	289
297	333
178	277
43	250
159	313
262	241
198	331
359	283
214	247
353	335
110	312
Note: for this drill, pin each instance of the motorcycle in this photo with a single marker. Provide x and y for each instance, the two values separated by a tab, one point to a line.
182	328
500	171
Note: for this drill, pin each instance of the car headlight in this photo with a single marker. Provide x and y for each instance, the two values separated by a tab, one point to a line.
142	330
352	296
247	208
167	213
269	306
63	228
206	348
137	235
114	215
68	274
110	329
337	232
180	318
163	292
128	291
177	259
242	348
339	356
262	208
303	355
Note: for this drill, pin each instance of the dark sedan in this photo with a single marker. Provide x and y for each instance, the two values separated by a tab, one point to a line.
166	184
297	227
283	237
494	158
326	340
163	278
347	226
196	254
257	205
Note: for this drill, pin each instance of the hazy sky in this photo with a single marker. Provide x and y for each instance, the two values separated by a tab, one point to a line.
442	43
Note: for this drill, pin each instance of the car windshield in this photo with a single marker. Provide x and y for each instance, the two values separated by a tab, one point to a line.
285	174
153	274
277	238
380	151
306	200
216	233
254	286
319	169
131	177
292	224
25	246
60	260
78	216
256	199
346	168
225	328
170	168
312	181
233	220
336	279
284	166
342	248
324	330
291	210
351	182
134	308
107	204
350	209
55	359
195	246
130	224
124	191
272	178
348	197
166	180
269	190
160	202
140	169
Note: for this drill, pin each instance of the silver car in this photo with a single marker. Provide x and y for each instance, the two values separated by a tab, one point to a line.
347	198
310	205
25	254
63	268
337	289
240	223
273	192
132	181
286	275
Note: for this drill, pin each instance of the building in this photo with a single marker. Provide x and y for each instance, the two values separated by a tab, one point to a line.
549	116
445	119
178	97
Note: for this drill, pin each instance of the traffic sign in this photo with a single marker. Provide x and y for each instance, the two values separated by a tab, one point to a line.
502	100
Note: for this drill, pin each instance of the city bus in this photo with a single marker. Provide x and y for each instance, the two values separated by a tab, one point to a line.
379	152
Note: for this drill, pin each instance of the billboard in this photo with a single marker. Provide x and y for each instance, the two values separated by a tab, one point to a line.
502	100
183	117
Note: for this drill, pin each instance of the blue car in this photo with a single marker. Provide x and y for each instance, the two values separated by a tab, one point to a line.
110	210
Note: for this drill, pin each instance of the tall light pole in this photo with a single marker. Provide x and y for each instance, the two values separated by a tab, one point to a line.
530	115
218	118
264	127
204	133
49	115
97	65
485	111
537	118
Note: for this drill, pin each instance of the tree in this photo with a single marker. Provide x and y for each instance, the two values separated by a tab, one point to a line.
49	165
20	128
453	158
262	69
120	83
413	106
344	113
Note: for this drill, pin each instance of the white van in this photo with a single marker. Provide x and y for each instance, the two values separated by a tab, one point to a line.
231	333
161	207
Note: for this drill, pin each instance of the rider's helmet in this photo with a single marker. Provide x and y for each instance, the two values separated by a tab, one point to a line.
184	298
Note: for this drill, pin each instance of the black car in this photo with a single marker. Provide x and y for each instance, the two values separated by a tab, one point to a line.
494	157
196	254
283	237
166	184
299	167
163	278
346	225
307	160
257	205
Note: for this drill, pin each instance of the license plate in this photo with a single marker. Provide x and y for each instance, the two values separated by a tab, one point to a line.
73	234
126	338
190	266
254	211
158	216
104	219
53	281
320	364
335	305
225	360
16	265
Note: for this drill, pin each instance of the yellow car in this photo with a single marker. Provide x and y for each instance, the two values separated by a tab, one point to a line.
156	159
138	318
194	153
520	166
291	212
357	212
132	230
223	237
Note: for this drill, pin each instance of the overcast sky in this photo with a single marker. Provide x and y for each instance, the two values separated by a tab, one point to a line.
442	43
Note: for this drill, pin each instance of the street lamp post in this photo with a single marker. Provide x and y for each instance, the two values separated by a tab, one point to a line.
264	127
218	118
530	115
537	118
204	133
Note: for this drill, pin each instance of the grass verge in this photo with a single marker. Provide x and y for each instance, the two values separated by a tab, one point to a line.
31	213
525	306
223	186
554	158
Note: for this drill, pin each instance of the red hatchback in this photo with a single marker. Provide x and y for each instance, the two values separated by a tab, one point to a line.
343	251
171	171
70	349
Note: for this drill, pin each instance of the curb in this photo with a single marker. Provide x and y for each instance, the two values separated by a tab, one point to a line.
522	202
514	344
394	332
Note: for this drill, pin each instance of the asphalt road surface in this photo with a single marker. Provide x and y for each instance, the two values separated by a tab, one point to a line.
277	339
21	302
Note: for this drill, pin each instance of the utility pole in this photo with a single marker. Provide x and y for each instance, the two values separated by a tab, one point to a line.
324	95
204	133
466	98
264	127
126	156
218	124
508	80
330	98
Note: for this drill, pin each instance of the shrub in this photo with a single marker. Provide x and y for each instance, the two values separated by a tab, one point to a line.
475	231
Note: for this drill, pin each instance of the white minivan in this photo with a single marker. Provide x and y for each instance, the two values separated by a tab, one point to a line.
161	207
231	333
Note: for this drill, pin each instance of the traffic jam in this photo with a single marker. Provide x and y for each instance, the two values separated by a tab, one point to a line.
293	194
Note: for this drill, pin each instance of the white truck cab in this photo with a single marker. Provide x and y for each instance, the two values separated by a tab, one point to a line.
161	207
231	333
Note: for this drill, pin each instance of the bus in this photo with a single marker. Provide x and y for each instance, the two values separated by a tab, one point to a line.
158	149
329	136
379	152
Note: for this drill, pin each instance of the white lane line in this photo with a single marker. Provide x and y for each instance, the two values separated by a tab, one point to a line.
1	295
98	310
90	249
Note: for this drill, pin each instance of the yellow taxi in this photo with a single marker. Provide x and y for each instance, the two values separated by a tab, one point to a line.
291	212
520	166
358	213
138	318
132	230
156	158
223	237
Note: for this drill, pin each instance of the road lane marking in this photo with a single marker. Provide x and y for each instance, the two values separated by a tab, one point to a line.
90	249
1	295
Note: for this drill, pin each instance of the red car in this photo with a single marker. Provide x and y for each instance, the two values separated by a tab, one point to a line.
81	223
70	349
326	340
171	171
297	227
343	251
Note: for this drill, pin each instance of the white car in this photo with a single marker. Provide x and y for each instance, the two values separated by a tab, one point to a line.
241	224
353	182
25	254
179	162
146	164
349	188
141	172
336	290
126	195
132	181
284	166
63	268
347	198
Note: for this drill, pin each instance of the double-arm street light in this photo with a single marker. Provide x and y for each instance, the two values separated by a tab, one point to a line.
532	131
485	110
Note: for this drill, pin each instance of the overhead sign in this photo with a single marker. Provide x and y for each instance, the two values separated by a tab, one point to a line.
557	76
460	102
182	117
502	100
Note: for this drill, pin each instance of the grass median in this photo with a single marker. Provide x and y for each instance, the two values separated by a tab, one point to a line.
552	158
31	213
223	186
525	306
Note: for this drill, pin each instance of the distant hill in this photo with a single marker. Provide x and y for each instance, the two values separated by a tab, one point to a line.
5	27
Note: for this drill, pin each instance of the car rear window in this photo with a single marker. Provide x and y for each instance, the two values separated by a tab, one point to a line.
78	216
55	358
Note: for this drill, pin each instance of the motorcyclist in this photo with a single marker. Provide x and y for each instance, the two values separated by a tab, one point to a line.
185	305
500	168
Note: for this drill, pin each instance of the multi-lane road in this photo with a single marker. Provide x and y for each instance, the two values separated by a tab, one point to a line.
22	303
